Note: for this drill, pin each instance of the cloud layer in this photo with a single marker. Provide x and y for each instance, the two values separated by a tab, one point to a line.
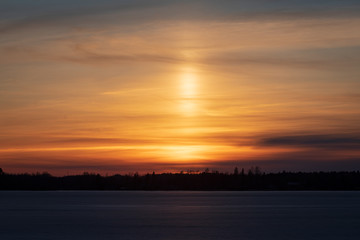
171	85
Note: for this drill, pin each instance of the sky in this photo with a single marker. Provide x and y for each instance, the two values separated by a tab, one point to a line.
124	86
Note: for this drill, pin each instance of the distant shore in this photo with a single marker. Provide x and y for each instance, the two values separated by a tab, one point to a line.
199	181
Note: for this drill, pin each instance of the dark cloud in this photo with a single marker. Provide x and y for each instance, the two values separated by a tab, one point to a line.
315	141
72	13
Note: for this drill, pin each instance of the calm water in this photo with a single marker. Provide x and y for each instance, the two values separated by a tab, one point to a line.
179	215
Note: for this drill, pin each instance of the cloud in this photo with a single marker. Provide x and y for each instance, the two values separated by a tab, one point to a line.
92	140
72	13
69	15
329	142
237	58
309	63
92	57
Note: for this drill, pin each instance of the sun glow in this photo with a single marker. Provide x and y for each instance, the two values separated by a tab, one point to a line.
188	90
188	84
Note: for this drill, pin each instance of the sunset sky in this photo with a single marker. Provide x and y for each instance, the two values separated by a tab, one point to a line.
168	85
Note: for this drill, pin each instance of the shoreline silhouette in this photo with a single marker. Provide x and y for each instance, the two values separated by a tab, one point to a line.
240	180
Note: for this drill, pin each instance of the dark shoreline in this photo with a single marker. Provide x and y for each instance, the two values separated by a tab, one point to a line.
205	181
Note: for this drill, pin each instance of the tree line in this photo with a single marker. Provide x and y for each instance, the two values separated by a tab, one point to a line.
238	180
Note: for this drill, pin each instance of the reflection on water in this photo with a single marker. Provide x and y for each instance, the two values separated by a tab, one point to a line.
179	215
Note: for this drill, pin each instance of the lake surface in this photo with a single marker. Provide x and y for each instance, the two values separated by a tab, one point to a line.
179	215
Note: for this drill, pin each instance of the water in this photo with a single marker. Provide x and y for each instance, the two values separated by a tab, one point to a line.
179	215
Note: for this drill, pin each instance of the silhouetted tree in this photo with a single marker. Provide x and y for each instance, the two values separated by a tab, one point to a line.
236	171
255	171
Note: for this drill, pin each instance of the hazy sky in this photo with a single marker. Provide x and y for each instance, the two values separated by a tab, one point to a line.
121	86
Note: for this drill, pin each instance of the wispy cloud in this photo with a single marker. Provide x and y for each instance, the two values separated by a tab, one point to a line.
73	13
70	14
